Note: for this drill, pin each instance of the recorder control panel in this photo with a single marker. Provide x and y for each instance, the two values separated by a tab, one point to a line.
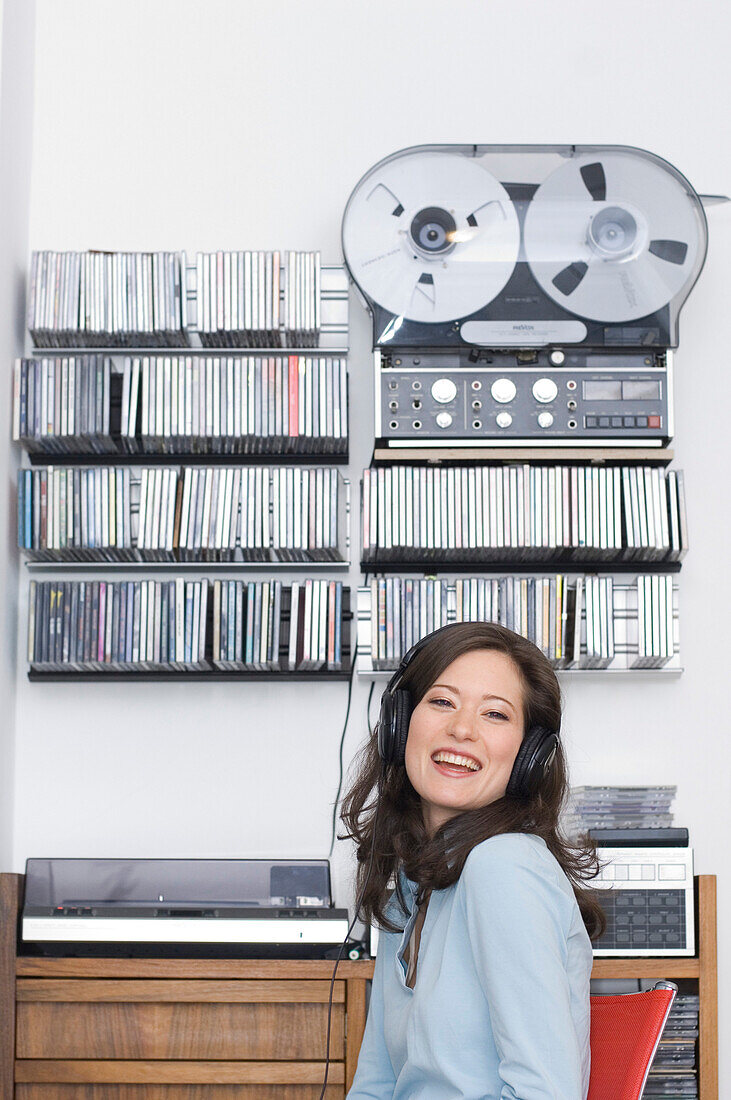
421	401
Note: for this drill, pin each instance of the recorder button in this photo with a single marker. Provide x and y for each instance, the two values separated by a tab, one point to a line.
545	420
545	390
503	420
503	390
443	419
444	391
591	421
641	421
653	422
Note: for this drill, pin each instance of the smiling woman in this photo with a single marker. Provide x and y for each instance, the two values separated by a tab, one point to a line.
462	742
481	986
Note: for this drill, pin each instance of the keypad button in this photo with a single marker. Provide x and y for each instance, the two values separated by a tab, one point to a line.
616	421
669	871
648	872
653	422
603	421
620	871
641	421
635	871
590	421
629	421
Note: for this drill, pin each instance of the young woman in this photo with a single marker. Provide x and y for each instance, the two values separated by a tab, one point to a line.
481	984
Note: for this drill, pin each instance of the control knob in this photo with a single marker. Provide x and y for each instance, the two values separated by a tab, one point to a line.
503	390
503	419
545	419
444	391
443	419
545	390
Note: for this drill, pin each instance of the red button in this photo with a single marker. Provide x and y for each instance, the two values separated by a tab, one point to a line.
653	422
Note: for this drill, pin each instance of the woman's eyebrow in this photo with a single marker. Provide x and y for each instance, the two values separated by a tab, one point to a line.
489	694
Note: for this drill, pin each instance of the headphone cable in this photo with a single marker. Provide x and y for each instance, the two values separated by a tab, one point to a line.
358	903
340	752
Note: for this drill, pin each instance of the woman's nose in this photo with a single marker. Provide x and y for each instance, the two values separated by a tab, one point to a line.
463	727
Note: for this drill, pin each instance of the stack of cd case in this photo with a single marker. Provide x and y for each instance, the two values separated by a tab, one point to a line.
619	808
238	299
673	1071
522	513
107	299
154	404
258	513
579	622
129	626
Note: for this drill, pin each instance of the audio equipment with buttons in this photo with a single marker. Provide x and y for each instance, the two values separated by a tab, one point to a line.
647	898
524	295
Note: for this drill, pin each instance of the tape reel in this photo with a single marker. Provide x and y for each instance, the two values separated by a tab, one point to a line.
608	234
431	236
611	238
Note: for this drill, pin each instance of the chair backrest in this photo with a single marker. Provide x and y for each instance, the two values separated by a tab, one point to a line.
625	1031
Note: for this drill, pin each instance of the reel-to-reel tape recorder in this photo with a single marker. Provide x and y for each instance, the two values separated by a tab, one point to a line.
524	294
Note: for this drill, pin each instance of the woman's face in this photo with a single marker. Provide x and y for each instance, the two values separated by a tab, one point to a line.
464	735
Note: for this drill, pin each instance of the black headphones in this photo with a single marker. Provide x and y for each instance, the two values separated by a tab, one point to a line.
532	763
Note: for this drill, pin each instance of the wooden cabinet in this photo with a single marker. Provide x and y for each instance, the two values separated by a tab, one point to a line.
191	1029
129	1029
173	1029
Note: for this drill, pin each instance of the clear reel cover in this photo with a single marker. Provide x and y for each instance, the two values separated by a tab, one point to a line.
609	234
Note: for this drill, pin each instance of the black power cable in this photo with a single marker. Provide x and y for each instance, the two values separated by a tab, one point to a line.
358	903
332	845
340	752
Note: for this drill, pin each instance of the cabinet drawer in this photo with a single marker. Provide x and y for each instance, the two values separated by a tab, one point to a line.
189	1019
177	1092
106	1080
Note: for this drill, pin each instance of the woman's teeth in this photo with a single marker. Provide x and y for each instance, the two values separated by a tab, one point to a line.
455	759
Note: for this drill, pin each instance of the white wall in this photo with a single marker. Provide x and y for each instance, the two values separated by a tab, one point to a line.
169	124
16	128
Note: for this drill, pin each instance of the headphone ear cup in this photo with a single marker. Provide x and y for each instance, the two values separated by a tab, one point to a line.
401	719
532	763
385	728
393	726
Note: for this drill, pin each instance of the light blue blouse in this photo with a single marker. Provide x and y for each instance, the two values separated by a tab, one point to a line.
500	1007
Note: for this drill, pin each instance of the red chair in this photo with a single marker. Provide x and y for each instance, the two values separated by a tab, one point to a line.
625	1031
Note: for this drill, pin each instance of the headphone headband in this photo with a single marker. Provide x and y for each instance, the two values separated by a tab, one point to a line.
409	656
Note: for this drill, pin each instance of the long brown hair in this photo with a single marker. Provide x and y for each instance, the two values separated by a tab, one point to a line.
382	811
